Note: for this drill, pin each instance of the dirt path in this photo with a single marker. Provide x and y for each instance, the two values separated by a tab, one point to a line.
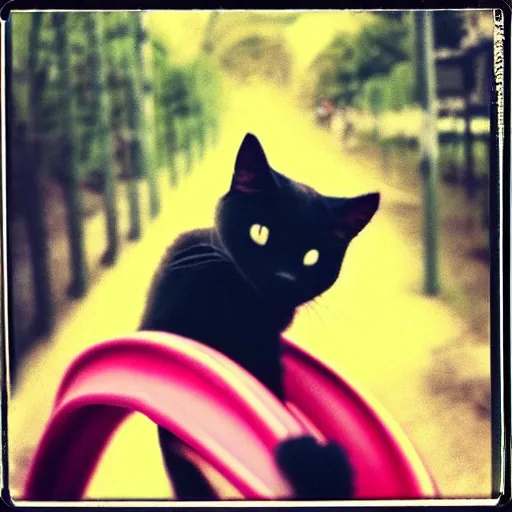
374	323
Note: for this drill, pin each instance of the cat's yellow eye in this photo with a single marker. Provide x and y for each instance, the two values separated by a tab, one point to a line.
259	234
311	257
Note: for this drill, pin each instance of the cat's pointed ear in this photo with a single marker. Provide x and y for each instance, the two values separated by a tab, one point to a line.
352	215
252	171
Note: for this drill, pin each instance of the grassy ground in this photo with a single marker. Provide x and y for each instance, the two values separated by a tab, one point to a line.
408	350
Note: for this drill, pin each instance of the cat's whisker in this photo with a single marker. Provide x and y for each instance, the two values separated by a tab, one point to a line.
213	249
340	315
221	248
323	305
198	257
310	308
191	264
317	308
196	265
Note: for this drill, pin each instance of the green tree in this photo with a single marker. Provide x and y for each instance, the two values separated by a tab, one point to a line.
147	120
101	114
175	97
351	60
379	46
84	64
337	72
160	64
134	151
210	85
449	26
33	190
190	121
374	94
126	91
200	100
402	81
67	123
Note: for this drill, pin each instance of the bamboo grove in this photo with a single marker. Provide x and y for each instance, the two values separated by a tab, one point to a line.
96	101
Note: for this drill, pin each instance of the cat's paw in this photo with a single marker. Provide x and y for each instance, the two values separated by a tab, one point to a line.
316	471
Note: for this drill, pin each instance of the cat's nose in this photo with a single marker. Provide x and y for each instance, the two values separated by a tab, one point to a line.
286	276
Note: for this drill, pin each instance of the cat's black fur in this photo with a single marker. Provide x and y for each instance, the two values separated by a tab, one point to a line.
221	288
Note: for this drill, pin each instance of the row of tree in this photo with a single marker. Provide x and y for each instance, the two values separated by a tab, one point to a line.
97	99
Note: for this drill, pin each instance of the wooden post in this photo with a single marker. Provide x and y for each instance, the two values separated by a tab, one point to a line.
426	93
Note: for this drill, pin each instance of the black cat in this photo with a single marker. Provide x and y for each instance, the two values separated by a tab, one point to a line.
276	244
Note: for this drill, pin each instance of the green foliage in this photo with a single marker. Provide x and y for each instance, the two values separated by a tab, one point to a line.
449	26
176	93
380	46
20	27
350	60
208	94
403	85
391	92
160	63
68	155
101	135
180	92
81	80
389	98
337	70
187	102
396	89
375	95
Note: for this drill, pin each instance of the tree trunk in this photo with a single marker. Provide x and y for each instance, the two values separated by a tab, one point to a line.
172	145
68	161
188	139
159	64
138	152
33	190
102	117
132	165
148	112
201	134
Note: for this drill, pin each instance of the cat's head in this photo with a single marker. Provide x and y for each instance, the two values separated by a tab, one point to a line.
288	240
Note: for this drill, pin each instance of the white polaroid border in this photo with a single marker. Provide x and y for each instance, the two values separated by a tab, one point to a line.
500	61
